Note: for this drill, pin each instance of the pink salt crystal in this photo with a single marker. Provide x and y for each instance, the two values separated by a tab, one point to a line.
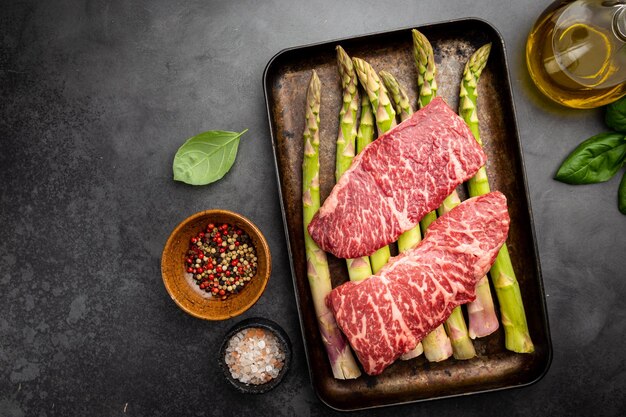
256	356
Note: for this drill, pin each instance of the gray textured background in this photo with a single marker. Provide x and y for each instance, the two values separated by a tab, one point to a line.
96	96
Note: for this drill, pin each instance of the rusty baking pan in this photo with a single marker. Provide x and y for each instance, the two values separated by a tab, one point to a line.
285	81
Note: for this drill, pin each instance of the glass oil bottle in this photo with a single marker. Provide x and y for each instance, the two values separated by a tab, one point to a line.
576	52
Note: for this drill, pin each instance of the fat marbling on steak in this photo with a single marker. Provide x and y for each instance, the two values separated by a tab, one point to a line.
395	181
388	314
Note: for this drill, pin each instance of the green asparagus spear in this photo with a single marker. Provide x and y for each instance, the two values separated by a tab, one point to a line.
347	116
427	86
377	93
398	95
436	345
517	336
462	346
358	268
365	133
481	311
425	62
412	237
341	359
385	119
468	94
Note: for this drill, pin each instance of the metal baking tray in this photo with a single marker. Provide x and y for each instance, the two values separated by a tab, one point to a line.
285	81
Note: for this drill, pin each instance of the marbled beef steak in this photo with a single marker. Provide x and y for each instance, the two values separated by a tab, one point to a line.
396	180
389	313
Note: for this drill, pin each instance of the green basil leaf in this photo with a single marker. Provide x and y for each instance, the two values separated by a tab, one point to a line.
206	157
595	160
621	195
615	116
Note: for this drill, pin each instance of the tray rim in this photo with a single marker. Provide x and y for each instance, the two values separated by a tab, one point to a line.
509	91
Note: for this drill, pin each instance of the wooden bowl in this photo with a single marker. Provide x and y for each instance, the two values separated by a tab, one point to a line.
186	294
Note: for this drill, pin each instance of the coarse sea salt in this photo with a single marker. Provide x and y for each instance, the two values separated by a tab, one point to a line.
254	356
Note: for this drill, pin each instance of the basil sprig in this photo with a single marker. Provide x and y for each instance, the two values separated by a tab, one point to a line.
207	157
595	160
615	116
600	157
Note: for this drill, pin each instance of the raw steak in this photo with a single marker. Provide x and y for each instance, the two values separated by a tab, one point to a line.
389	313
395	181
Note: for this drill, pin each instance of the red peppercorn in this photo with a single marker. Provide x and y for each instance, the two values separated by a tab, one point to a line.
227	273
194	240
222	249
189	260
190	270
200	270
219	240
236	243
211	226
201	234
215	290
222	292
201	256
211	276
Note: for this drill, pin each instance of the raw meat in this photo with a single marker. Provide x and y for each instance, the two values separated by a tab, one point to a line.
389	313
395	181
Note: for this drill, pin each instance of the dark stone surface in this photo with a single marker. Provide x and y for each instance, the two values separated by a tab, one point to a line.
96	96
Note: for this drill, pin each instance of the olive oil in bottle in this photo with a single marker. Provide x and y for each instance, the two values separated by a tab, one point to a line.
576	52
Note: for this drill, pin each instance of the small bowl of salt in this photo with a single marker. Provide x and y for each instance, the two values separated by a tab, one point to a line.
255	355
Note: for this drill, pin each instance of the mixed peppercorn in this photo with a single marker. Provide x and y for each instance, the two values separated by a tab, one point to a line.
222	260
